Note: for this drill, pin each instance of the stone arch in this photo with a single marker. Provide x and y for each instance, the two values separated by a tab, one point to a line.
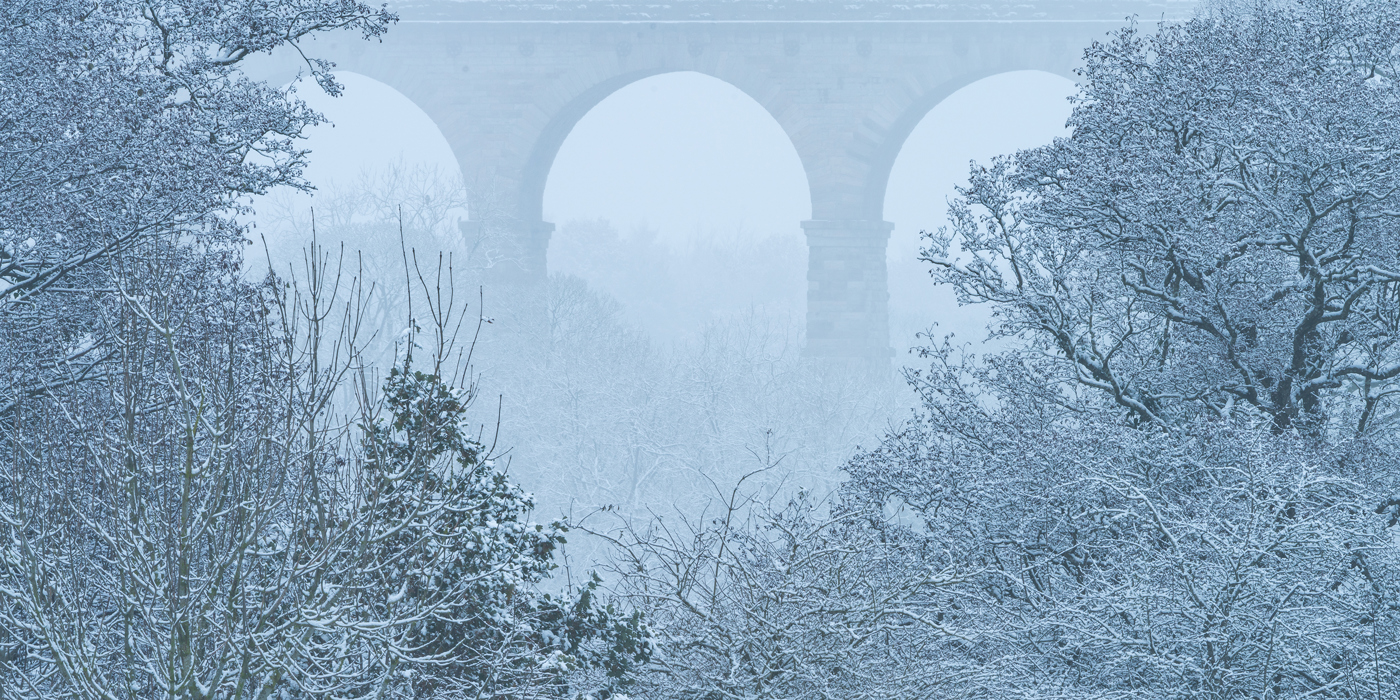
847	94
552	137
848	301
693	177
995	115
372	130
897	134
383	124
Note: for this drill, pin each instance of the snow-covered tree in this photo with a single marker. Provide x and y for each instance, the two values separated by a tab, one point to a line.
1178	480
449	531
123	121
763	598
1109	560
187	508
203	524
1217	234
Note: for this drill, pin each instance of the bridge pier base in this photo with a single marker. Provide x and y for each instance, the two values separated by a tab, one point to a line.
511	258
848	316
514	252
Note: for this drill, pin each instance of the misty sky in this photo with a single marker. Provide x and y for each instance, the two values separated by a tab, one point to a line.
685	155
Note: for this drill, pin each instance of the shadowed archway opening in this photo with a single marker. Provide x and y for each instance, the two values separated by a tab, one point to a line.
996	115
680	196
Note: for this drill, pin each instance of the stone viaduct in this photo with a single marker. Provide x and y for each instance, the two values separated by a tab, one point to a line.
506	83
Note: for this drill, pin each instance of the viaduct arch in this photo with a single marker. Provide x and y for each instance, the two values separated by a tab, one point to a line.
506	83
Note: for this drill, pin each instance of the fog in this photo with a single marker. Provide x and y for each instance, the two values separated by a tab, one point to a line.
678	277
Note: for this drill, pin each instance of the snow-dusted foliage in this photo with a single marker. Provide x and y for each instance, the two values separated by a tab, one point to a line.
772	599
1218	232
449	533
123	121
1109	560
1181	480
187	509
202	525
